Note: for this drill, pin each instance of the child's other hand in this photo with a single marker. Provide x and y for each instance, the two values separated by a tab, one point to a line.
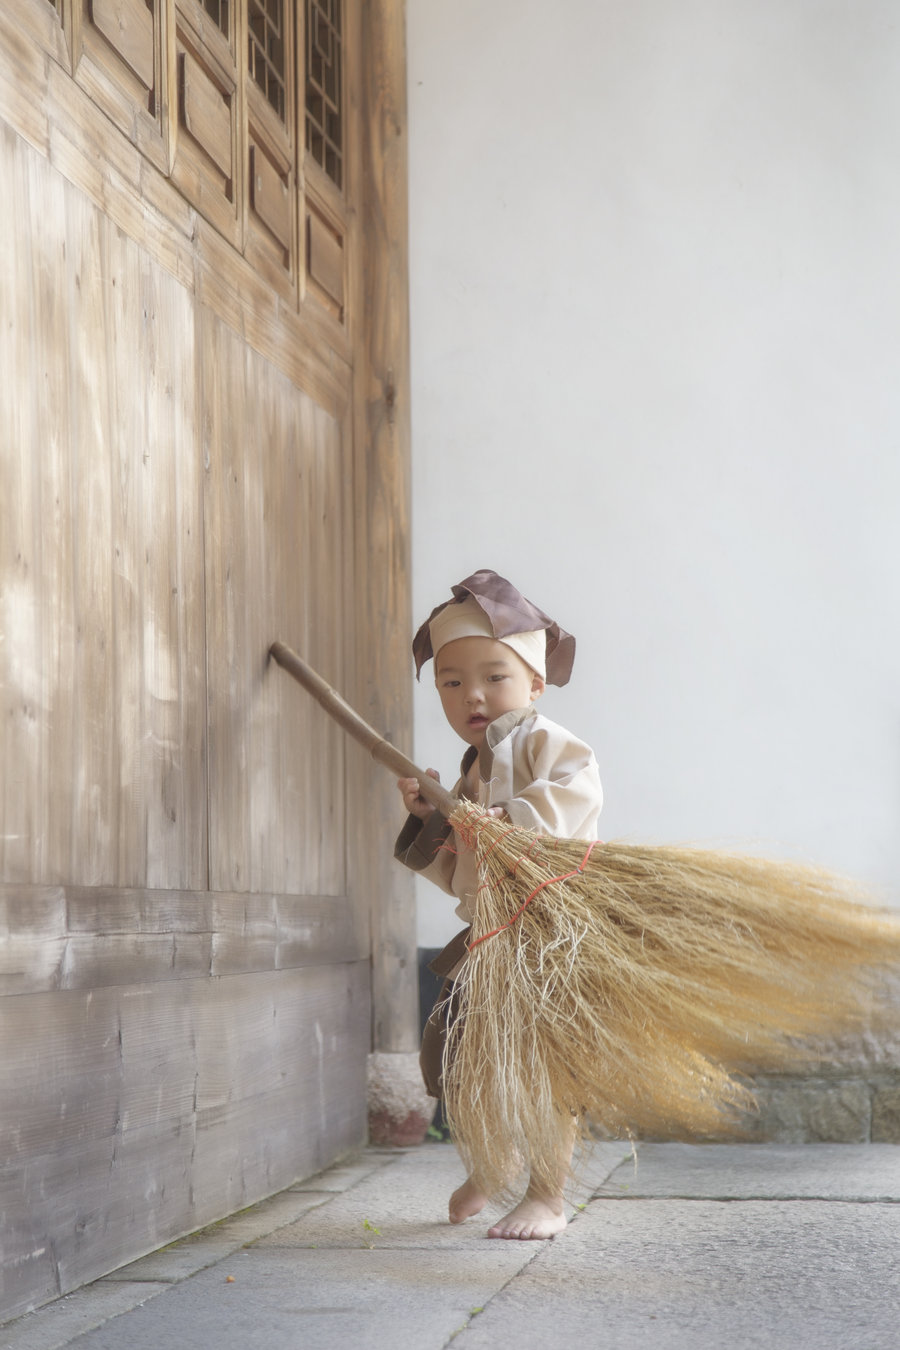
413	800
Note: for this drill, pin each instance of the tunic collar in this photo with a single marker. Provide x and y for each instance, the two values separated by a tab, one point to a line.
495	732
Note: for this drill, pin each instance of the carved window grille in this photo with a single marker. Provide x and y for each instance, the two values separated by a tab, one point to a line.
218	12
324	119
268	50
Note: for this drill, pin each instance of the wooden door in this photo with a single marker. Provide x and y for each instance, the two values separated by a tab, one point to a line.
203	447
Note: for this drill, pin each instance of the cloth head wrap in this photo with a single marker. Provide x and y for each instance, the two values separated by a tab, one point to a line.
486	605
468	619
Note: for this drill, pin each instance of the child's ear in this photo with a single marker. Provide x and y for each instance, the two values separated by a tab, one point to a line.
538	685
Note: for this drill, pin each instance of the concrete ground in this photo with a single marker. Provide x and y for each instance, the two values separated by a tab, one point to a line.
681	1247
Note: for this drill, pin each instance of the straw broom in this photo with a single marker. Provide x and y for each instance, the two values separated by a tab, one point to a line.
626	985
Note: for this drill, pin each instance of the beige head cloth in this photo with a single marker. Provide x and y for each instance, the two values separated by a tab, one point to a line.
468	619
505	615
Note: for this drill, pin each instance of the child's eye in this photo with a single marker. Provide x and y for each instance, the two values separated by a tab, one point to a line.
451	684
495	679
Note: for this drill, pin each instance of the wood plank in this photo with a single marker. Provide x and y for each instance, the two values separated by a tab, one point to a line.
41	22
104	909
23	82
270	196
41	912
382	513
91	938
296	344
178	841
114	182
206	113
53	765
29	1274
59	1070
131	1116
327	641
127	26
93	790
269	398
56	114
21	692
150	341
170	809
325	258
314	1032
32	965
292	491
77	1213
129	106
129	453
226	427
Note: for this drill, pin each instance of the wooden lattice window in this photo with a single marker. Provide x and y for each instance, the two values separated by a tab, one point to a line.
218	12
324	120
268	50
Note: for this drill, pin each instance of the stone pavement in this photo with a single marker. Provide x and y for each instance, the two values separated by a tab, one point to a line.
679	1247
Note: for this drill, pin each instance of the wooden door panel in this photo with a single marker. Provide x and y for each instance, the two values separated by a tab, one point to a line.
104	705
203	439
274	569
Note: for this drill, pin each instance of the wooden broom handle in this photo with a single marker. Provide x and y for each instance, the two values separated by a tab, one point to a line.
380	749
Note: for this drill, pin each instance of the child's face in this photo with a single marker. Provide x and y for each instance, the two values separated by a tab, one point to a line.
478	679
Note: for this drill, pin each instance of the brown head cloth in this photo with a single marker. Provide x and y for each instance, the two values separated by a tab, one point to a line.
508	612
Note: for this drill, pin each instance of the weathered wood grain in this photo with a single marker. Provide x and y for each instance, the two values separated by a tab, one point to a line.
24	72
326	260
116	68
93	937
128	26
48	30
381	445
42	258
206	113
174	730
108	677
21	693
276	769
127	178
270	196
198	458
172	1117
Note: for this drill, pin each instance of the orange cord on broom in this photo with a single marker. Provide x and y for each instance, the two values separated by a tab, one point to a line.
576	871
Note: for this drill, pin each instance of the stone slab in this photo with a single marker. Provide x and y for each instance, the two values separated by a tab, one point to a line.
703	1275
747	1171
407	1204
683	1248
171	1264
60	1323
319	1300
182	1259
345	1175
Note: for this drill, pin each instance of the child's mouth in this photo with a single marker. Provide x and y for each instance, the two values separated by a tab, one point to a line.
478	720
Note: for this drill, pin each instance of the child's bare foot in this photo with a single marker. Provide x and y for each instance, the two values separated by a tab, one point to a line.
533	1218
466	1201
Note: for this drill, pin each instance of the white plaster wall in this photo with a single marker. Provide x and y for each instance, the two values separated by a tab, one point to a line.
656	382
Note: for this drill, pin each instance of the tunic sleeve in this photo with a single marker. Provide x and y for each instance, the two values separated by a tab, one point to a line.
556	783
419	846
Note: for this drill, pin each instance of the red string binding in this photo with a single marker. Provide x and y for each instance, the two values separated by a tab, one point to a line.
577	871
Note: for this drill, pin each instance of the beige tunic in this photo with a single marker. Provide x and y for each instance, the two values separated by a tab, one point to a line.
542	776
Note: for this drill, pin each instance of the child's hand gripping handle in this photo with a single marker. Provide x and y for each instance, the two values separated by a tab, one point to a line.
380	749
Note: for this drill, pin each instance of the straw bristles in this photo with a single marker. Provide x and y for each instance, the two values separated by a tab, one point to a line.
631	993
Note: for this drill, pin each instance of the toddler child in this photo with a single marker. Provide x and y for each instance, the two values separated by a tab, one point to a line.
494	652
